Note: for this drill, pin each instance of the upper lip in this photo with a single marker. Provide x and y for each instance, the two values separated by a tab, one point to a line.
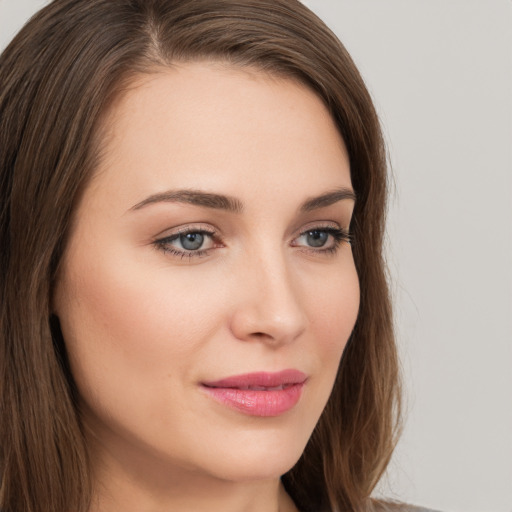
260	379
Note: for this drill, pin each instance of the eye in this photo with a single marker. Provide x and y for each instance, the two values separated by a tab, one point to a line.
316	238
322	239
187	243
191	241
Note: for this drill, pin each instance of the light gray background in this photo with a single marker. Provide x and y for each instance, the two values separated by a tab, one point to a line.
440	72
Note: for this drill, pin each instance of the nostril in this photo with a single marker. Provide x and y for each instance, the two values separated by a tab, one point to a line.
261	336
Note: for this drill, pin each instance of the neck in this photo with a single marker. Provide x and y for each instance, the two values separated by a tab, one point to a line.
139	486
118	495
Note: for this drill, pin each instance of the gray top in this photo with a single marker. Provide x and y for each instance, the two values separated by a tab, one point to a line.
420	509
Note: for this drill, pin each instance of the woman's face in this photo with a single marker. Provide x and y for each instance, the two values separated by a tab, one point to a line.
210	244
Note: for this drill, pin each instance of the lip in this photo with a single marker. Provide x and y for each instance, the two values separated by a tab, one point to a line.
259	394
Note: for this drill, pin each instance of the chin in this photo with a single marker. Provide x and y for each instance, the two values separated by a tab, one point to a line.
256	456
265	467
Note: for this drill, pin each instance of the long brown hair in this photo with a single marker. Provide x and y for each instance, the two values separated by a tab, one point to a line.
57	78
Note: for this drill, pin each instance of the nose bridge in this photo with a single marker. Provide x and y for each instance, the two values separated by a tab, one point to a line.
270	308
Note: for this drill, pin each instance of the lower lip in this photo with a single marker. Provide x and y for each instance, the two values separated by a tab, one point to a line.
258	403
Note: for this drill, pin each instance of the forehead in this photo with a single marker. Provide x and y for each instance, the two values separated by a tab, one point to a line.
217	125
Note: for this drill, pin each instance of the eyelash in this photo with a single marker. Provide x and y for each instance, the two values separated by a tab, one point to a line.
163	244
339	236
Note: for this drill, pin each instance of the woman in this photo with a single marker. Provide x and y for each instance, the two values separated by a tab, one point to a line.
194	308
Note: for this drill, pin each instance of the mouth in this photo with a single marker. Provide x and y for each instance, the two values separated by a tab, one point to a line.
259	394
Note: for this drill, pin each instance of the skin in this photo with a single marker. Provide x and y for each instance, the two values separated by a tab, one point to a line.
144	327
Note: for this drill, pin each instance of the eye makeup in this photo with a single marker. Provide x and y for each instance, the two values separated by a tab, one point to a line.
189	242
197	241
323	240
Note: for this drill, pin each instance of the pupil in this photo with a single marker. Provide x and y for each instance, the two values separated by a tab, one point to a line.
192	241
317	238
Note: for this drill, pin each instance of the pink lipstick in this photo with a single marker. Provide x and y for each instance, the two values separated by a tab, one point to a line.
259	394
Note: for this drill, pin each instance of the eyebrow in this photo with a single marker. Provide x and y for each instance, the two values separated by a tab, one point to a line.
234	205
328	199
195	197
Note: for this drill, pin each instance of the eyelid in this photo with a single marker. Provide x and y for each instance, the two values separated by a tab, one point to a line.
319	224
186	228
164	241
338	234
311	226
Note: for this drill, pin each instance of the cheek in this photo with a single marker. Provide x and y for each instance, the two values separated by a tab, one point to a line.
129	328
334	310
138	333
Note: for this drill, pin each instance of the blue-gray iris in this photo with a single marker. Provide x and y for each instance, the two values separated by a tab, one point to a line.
317	238
192	241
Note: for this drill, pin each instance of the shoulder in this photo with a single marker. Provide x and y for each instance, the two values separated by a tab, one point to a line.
383	506
420	509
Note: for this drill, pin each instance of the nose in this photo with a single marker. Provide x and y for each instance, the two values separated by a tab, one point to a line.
268	307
